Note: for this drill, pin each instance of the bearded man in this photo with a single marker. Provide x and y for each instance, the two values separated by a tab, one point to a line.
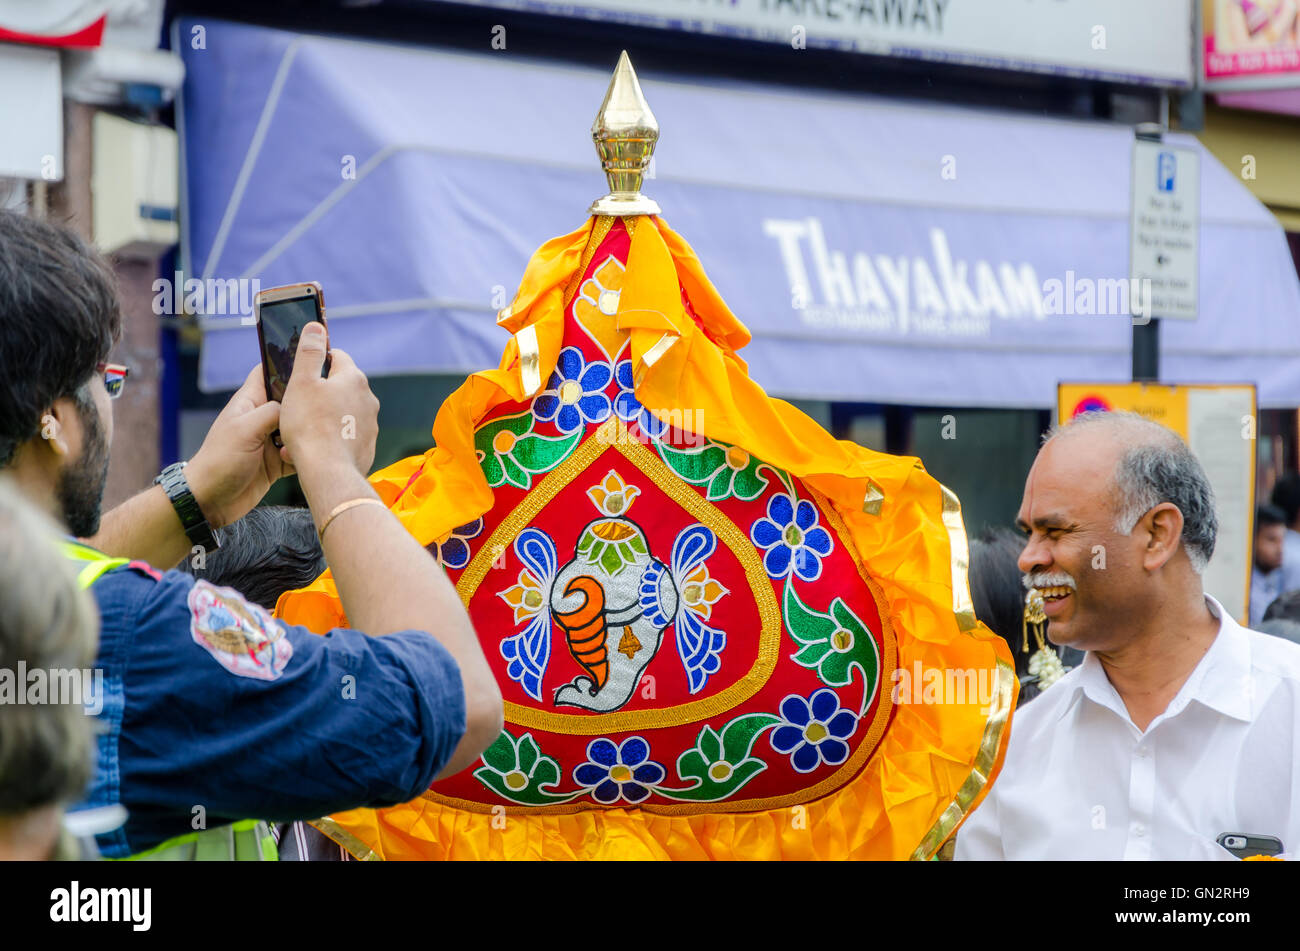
215	715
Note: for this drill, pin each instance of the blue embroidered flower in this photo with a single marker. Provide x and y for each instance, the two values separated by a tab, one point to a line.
628	407
814	731
452	549
625	771
575	392
792	538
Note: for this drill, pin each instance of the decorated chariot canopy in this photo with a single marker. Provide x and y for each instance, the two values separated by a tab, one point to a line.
719	632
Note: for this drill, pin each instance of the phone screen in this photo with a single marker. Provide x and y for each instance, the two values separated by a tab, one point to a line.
280	326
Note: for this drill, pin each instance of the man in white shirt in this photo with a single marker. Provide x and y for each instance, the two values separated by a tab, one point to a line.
1180	727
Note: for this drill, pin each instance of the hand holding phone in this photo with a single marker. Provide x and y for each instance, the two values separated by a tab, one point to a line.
327	422
281	314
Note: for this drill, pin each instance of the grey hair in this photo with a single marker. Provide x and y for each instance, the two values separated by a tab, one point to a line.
48	622
1158	467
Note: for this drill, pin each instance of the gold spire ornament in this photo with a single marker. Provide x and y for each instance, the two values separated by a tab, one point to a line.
625	133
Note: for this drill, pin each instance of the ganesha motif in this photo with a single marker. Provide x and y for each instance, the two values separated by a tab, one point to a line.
613	601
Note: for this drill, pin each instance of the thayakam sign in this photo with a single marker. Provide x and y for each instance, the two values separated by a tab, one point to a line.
1146	42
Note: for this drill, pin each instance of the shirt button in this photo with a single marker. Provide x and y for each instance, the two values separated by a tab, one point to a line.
1139	829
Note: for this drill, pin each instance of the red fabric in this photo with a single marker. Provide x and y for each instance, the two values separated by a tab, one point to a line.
88	36
661	519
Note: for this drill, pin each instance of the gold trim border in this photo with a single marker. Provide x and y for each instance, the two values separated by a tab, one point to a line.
963	610
613	434
336	833
597	237
979	776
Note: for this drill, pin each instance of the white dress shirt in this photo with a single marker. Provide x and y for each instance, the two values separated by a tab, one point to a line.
1081	781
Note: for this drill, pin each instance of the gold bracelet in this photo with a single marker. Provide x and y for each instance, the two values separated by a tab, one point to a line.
343	507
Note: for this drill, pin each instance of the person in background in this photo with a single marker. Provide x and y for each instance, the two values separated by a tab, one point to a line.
1286	605
271	550
1286	496
1282	627
1266	573
999	600
218	716
48	625
1179	728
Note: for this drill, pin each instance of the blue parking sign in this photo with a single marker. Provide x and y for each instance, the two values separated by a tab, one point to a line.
1165	165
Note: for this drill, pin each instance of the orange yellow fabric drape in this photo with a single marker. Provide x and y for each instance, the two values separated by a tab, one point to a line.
935	760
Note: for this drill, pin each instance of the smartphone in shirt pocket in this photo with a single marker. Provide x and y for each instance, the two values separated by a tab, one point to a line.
1244	846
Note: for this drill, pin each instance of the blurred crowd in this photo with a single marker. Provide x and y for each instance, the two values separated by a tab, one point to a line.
1275	569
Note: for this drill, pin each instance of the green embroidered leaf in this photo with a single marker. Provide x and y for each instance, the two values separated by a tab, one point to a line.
848	620
518	425
610	559
501	754
739	736
520	762
745	771
637	544
528	752
543	453
818	633
804	624
514	474
710	745
692	763
811	654
529	795
708	789
836	668
492	470
696	466
748	484
721	765
547	773
720	486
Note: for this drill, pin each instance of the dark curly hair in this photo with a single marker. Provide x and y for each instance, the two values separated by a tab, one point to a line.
59	317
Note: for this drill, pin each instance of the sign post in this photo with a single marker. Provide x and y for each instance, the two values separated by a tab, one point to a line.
1164	249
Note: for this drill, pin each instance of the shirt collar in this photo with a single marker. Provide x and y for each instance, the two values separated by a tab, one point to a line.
1220	681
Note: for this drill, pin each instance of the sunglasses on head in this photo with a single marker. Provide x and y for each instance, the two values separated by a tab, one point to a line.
114	377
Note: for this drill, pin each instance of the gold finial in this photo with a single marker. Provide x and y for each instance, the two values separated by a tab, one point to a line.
625	133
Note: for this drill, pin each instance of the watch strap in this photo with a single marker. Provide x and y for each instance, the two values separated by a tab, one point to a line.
196	526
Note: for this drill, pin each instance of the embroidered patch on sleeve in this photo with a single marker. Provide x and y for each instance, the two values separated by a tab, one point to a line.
242	636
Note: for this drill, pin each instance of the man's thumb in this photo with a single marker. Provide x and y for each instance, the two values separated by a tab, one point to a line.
311	350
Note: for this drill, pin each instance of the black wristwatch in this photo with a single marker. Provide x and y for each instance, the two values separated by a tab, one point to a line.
177	487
